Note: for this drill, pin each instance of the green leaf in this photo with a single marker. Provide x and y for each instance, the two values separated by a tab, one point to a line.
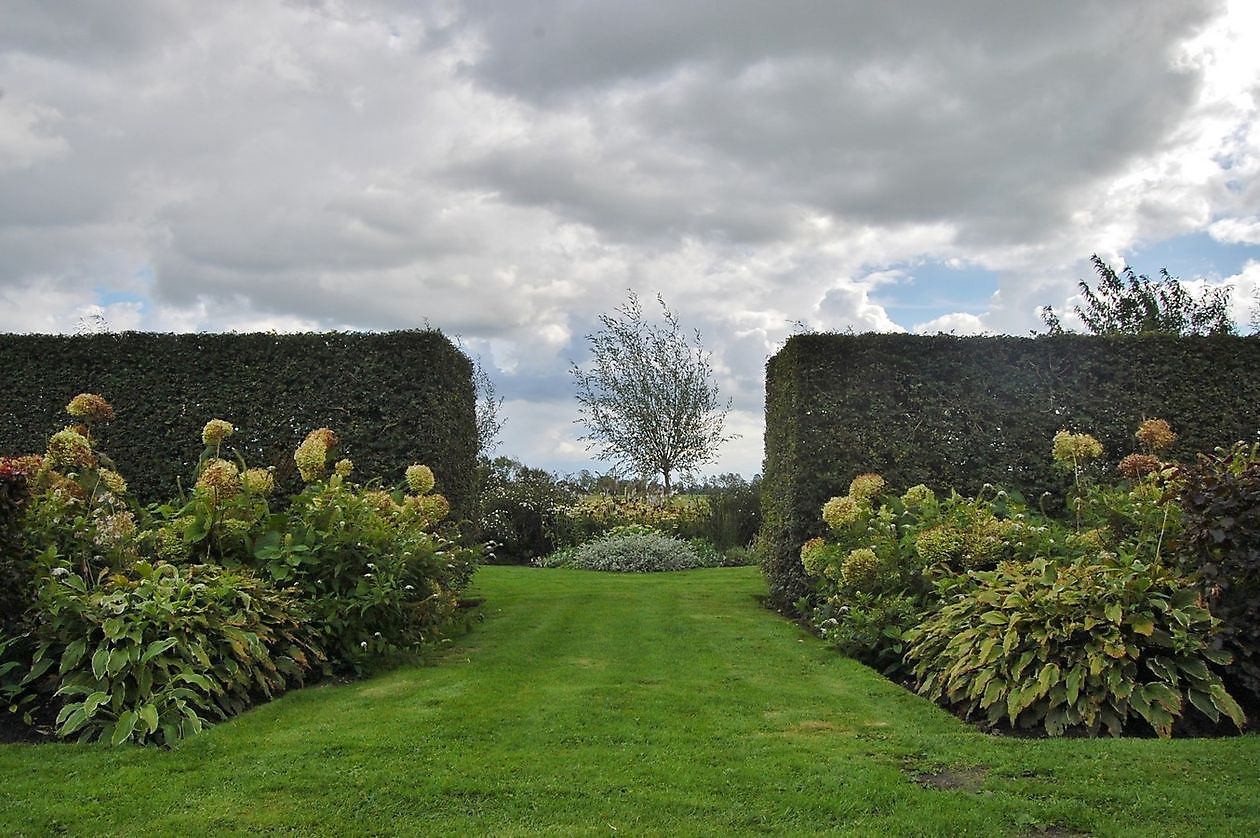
73	721
156	648
99	661
1113	612
1073	683
94	701
1142	625
149	715
1228	706
72	655
123	730
1203	701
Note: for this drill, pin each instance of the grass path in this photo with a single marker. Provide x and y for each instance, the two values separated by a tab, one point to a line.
600	704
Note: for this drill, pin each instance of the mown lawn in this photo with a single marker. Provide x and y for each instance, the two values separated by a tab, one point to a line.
602	704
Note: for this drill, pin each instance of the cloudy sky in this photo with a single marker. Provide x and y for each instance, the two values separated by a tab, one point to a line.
506	171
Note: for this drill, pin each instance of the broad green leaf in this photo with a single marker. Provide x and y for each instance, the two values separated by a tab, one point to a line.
149	715
1228	706
73	654
156	648
123	730
99	661
73	722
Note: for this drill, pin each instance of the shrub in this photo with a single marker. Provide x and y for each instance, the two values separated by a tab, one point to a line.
516	509
633	552
1074	646
592	516
1221	499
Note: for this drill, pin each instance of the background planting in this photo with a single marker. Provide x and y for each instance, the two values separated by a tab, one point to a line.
394	398
962	412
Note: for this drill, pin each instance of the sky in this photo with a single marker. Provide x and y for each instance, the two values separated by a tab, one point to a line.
508	171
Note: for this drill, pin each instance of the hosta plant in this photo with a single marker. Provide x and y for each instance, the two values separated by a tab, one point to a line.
1094	643
154	653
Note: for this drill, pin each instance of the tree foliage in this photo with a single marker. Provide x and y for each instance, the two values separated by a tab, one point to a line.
1133	304
648	399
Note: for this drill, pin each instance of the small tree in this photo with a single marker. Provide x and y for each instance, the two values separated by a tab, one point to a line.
489	423
648	400
1132	304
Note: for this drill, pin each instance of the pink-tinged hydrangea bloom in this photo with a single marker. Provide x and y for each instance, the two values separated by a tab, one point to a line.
220	477
1155	435
91	407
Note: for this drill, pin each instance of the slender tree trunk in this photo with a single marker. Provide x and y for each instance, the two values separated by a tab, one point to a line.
665	493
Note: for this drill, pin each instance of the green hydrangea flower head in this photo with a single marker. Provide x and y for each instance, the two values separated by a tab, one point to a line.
813	556
866	487
860	568
69	449
216	430
420	479
919	495
258	481
343	467
840	512
113	481
1073	450
938	545
311	458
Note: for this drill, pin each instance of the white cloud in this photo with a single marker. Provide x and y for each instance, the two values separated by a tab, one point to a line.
1236	230
957	323
507	171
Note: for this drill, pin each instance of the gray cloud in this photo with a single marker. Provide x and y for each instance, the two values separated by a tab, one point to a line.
506	171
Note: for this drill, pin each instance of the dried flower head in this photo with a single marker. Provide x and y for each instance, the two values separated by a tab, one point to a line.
860	568
840	512
1137	466
113	528
865	487
1155	435
258	482
216	430
69	449
220	477
420	479
343	467
91	407
325	437
113	481
1075	450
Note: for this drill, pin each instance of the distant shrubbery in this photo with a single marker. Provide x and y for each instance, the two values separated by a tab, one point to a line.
530	515
144	624
638	549
1083	623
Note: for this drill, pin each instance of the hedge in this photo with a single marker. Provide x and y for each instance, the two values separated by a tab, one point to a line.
393	398
962	412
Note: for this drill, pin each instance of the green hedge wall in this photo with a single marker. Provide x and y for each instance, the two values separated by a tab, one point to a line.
962	412
393	399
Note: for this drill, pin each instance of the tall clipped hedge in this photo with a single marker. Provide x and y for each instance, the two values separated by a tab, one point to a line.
393	398
962	412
